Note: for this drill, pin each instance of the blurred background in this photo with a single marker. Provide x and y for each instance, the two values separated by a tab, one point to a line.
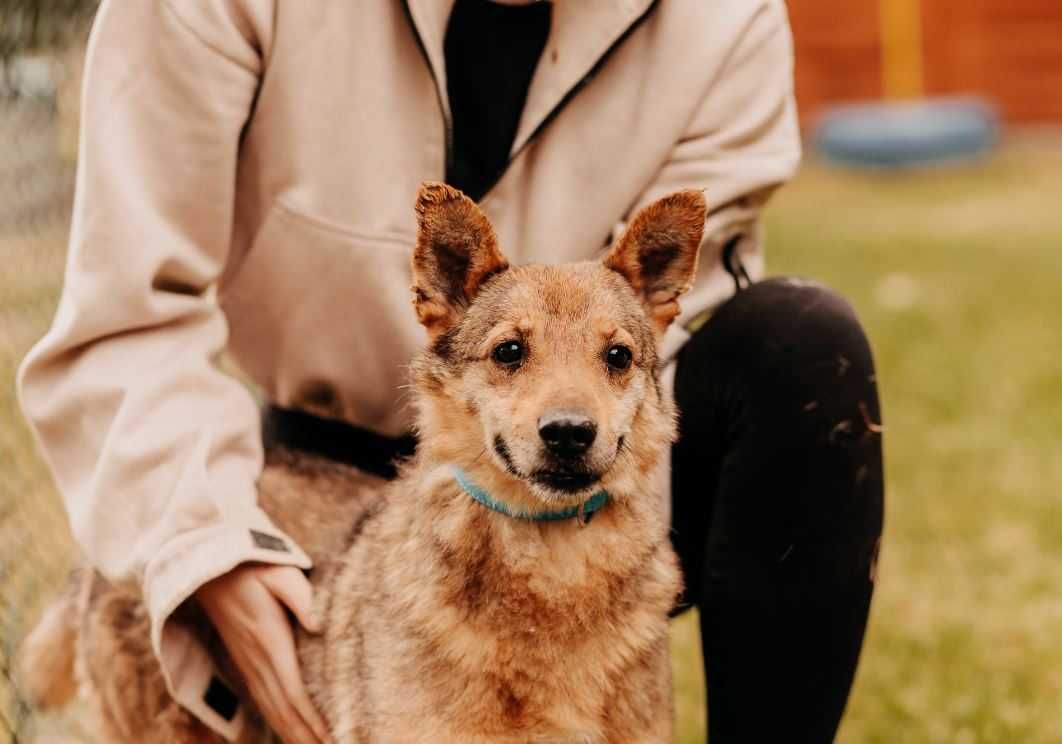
931	196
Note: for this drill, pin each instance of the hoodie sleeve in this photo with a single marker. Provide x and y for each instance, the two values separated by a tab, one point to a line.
155	451
742	143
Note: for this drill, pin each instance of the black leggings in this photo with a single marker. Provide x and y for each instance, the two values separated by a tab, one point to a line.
777	507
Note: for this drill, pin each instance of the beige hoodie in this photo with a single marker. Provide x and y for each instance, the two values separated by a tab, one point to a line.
246	179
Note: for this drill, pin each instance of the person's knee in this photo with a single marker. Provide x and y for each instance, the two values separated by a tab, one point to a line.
795	310
785	323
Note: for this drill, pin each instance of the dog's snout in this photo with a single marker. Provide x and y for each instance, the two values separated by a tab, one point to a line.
567	434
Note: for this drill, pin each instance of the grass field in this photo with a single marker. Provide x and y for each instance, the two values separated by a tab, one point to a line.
957	275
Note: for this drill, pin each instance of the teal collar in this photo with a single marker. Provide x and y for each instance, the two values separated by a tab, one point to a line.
583	511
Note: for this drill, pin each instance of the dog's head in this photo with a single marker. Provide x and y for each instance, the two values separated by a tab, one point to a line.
549	372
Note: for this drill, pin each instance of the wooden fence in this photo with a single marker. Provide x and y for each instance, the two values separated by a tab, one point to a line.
1009	51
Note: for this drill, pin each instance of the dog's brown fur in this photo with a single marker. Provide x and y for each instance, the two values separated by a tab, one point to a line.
445	621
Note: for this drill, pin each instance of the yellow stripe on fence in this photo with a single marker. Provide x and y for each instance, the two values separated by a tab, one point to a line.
901	48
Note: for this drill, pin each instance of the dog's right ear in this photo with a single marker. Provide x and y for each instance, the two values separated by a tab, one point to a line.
456	253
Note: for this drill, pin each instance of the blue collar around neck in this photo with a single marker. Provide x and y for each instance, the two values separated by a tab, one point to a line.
584	510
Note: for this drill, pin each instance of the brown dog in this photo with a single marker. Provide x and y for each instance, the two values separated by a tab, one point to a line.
473	599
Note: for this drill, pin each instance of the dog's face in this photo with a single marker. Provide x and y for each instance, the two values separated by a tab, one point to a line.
547	368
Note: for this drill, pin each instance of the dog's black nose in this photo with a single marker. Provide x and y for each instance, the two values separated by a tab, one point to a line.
567	434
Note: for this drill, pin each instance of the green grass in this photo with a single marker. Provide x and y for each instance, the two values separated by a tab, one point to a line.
957	276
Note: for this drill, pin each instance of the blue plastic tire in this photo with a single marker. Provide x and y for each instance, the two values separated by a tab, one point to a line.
907	134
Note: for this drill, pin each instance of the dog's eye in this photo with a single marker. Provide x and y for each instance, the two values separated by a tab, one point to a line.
510	353
618	358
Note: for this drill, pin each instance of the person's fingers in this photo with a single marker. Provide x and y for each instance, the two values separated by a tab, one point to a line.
247	653
286	664
249	647
276	645
248	610
294	590
281	714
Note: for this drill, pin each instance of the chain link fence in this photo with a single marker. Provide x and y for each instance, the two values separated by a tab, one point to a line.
37	145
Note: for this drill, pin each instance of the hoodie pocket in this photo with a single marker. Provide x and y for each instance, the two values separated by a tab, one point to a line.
320	316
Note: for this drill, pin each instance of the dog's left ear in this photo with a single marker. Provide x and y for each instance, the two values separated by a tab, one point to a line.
456	253
657	254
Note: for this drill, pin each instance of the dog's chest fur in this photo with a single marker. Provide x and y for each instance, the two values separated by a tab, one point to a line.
450	622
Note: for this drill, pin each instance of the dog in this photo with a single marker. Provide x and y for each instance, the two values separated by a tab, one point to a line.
513	583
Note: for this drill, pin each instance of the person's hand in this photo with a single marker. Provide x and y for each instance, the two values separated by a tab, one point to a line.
246	606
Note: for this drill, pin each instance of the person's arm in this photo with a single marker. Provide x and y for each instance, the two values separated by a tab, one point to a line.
155	451
743	142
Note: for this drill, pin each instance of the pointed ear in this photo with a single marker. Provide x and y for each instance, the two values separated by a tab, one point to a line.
657	254
456	253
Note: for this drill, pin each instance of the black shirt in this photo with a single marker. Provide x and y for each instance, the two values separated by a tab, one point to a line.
491	53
